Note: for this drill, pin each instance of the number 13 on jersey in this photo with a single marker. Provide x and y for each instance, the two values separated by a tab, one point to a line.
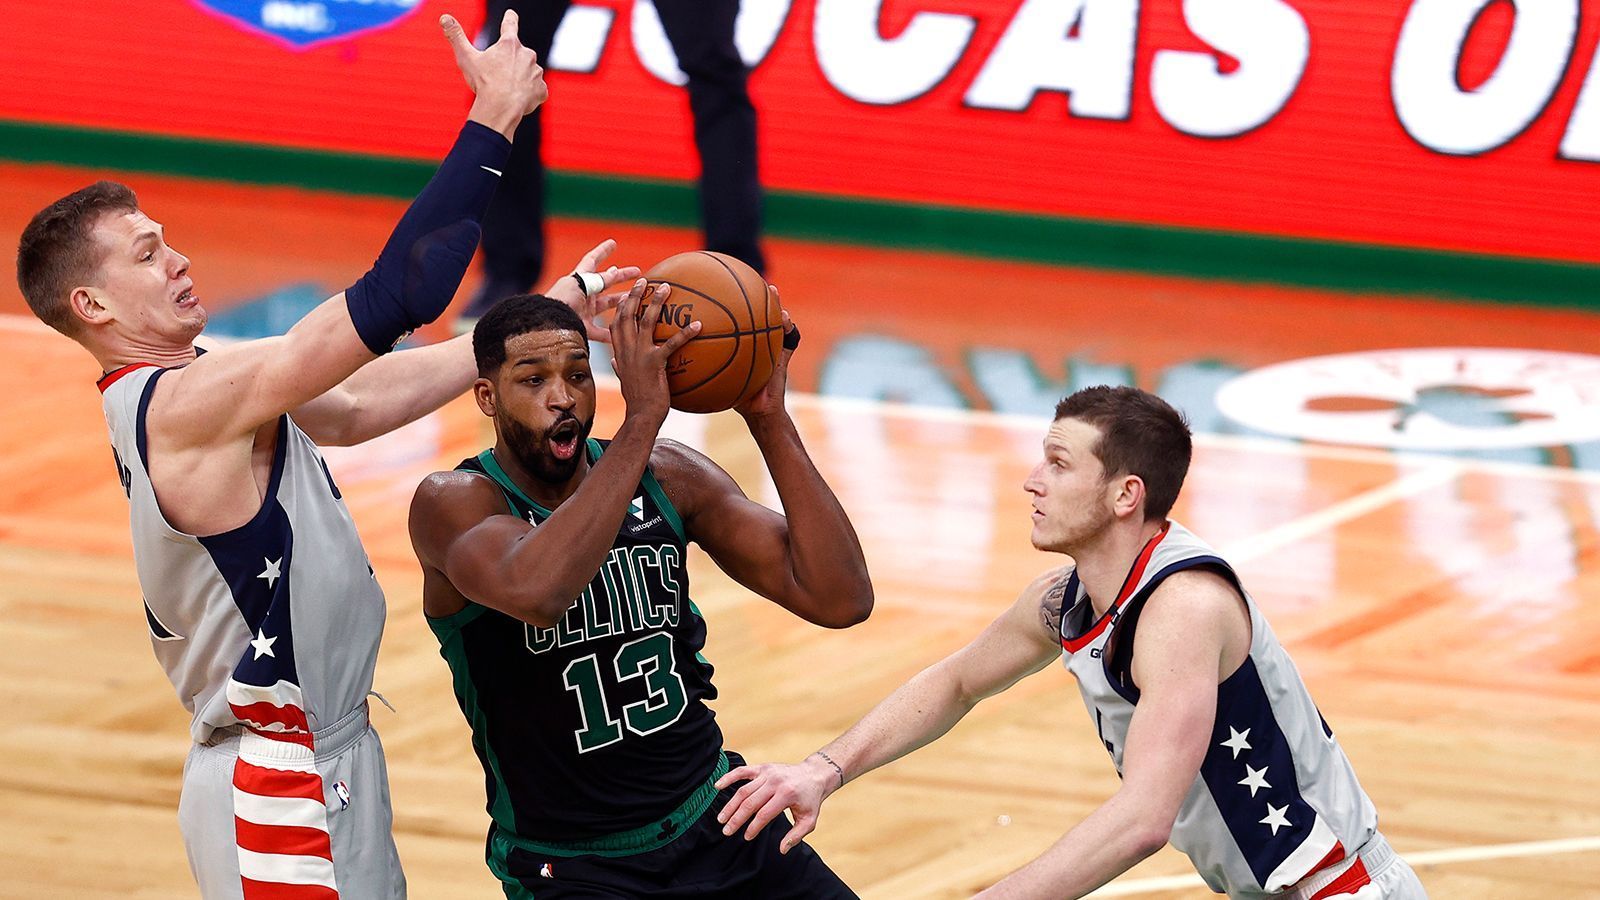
649	658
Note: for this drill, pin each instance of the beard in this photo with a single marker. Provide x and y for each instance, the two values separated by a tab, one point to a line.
532	448
1081	530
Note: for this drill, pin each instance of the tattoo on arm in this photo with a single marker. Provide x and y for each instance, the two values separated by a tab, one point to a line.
1051	605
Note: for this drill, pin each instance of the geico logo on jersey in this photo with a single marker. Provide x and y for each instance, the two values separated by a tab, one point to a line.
638	593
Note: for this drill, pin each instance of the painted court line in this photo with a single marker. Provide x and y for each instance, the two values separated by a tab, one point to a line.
1419	858
1248	443
1330	517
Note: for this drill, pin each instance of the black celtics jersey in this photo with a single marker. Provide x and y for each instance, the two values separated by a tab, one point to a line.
598	725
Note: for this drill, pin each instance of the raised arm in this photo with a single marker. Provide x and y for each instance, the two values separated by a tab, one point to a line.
235	390
460	529
401	387
1193	633
1017	644
808	559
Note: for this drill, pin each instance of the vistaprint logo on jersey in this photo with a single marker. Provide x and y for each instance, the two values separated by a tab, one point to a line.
636	509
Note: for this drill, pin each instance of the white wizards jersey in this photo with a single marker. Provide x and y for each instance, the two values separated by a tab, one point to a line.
1275	799
274	624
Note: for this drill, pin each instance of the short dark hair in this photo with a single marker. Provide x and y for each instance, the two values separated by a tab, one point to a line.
57	251
515	315
1140	434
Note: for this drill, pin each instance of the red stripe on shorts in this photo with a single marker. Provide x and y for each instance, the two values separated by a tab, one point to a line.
265	782
264	714
287	840
1353	879
272	890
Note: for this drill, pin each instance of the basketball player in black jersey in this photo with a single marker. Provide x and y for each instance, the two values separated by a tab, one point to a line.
555	580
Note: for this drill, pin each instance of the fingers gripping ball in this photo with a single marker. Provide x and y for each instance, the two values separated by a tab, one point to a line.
741	336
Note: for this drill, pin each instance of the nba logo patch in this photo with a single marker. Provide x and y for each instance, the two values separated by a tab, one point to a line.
547	871
342	790
301	23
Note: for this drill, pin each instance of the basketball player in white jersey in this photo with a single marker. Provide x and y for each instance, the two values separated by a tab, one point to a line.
261	605
1220	748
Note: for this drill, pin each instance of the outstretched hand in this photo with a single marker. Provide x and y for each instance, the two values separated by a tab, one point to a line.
771	788
588	308
506	79
769	399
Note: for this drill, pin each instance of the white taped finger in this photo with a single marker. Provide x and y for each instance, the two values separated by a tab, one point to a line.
592	284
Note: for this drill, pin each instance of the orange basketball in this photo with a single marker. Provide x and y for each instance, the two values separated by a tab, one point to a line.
741	330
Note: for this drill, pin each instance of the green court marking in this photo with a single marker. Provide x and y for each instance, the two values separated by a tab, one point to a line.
1232	256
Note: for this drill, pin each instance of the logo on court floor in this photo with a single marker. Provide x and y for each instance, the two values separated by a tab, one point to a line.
1425	398
305	22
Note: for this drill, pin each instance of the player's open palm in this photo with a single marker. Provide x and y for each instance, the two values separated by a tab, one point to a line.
590	307
640	362
770	789
504	76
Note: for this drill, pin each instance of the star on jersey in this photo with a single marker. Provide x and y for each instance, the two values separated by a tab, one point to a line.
262	644
1255	779
272	572
1276	818
1236	741
532	521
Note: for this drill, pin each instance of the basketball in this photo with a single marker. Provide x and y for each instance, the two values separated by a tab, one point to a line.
741	335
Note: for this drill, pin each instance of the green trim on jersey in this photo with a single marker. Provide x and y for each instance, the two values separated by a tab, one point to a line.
695	608
492	466
643	839
452	647
651	485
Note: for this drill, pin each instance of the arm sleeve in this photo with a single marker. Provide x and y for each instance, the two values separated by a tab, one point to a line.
417	274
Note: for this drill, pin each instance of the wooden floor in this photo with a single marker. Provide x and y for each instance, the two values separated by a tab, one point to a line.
1444	613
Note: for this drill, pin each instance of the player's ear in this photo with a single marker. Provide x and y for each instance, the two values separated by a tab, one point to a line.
1130	496
87	306
483	392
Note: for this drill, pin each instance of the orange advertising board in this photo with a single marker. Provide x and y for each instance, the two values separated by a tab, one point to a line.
1466	125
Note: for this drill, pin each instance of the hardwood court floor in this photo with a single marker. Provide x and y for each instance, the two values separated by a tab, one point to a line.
1444	614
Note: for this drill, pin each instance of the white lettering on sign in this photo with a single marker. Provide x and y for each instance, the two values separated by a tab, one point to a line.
311	18
1428	97
1271	43
864	66
1582	140
1082	47
580	38
1086	50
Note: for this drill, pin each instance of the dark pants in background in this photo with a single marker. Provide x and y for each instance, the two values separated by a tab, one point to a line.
701	32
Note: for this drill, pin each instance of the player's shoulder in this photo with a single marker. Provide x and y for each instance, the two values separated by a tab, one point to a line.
1050	584
684	471
1199	588
1046	596
670	457
1196	602
454	488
